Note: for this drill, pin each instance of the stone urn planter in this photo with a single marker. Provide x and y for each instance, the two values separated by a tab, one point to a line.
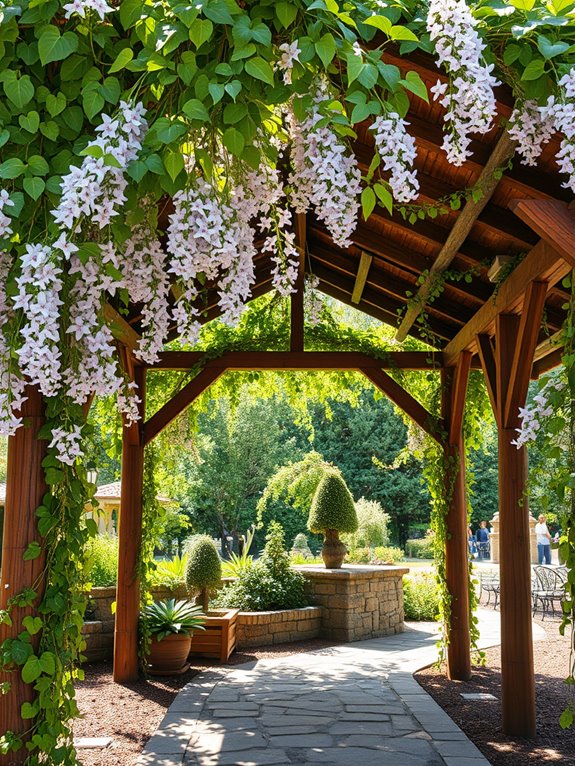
333	550
332	511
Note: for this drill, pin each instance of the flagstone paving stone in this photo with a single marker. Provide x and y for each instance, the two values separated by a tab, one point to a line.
342	706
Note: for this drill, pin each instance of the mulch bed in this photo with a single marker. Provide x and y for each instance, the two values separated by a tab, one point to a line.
481	720
130	714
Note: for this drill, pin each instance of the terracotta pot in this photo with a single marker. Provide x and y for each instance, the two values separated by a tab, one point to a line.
170	653
333	551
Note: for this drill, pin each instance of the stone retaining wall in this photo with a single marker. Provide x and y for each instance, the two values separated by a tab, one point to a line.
267	628
359	602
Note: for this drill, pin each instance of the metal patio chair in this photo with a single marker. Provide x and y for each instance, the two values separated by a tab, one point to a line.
548	589
489	582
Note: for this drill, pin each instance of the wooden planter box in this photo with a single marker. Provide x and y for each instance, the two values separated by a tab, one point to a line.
218	640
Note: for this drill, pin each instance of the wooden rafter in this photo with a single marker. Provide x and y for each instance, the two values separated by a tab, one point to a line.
297	297
542	263
504	149
404	401
123	332
553	220
361	276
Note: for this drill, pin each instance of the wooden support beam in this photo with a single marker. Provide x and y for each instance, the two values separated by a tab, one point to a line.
520	373
542	263
178	403
488	181
454	389
123	332
404	400
517	673
553	220
546	363
25	488
459	391
487	357
126	663
299	360
297	297
361	277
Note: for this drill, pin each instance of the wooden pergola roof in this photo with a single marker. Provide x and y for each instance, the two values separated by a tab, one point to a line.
384	266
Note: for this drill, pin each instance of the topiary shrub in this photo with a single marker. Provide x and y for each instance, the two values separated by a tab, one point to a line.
204	568
420	597
270	583
332	511
300	547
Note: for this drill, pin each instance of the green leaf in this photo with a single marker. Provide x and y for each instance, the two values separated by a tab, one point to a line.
174	164
32	551
28	711
234	141
195	110
243	52
384	196
567	717
30	122
402	33
415	84
379	22
31	670
12	168
48	663
124	57
218	12
286	13
55	104
200	31
55	47
233	88
511	54
34	187
354	67
216	91
111	90
32	624
325	48
4	136
20	91
260	69
551	49
233	113
20	651
367	202
37	165
92	101
390	74
534	70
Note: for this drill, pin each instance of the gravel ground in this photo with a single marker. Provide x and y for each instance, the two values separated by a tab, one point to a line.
481	720
130	714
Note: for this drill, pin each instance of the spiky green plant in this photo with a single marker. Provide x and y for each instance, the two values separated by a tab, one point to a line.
165	618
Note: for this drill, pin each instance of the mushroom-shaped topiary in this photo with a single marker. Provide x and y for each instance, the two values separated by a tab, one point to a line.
204	568
332	511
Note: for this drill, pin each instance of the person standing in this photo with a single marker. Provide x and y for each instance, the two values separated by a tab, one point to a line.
483	540
543	541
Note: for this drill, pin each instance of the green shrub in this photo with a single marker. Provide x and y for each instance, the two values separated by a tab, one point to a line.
420	549
332	506
300	547
102	561
420	596
170	574
238	562
388	554
204	568
359	556
269	584
372	526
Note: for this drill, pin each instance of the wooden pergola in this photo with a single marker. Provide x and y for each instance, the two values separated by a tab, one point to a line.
524	213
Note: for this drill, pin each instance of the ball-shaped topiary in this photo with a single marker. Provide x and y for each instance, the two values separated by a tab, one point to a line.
204	568
332	506
332	511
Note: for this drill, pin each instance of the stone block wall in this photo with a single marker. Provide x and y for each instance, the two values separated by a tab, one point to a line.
358	602
268	628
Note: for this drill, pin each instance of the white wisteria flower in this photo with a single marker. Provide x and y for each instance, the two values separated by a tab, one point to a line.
5	201
533	415
532	129
290	54
12	385
68	444
313	305
468	96
560	111
83	7
397	152
325	176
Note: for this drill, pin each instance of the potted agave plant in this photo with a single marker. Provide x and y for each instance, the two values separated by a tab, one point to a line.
171	624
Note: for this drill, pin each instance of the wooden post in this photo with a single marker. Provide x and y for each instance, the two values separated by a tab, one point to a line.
129	540
454	388
297	297
25	488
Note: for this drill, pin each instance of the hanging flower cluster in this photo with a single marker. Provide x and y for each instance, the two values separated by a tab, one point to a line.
147	281
397	152
533	415
560	112
532	129
468	96
312	303
11	386
290	54
324	175
83	7
67	444
5	201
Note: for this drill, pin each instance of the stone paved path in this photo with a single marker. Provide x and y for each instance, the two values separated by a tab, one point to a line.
351	705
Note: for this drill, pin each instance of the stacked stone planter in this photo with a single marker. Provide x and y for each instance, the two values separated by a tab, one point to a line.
268	628
358	602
